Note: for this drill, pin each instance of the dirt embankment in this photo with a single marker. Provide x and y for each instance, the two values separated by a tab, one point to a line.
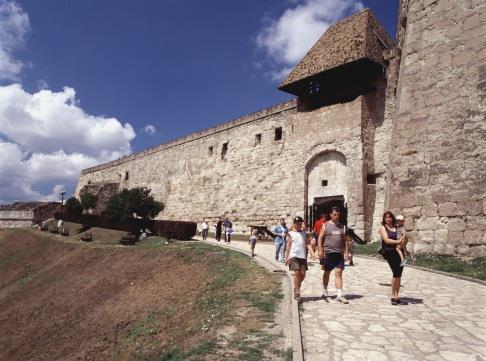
65	301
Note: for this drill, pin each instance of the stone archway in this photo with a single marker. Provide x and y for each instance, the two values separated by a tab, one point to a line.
326	175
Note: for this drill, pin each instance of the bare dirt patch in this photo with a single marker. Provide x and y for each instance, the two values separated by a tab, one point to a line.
65	300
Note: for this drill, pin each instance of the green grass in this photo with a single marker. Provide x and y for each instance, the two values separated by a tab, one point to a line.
146	327
196	353
474	268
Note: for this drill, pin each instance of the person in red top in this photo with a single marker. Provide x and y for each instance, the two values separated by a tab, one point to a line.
317	228
318	223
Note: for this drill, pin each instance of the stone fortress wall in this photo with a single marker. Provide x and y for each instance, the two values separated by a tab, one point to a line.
259	179
438	162
413	140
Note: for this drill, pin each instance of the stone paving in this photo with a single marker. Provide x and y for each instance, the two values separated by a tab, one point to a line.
444	320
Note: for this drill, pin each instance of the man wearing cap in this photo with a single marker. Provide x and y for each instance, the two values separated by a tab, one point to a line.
295	254
333	250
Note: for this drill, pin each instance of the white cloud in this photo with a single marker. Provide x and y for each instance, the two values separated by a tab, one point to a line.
14	25
149	129
46	138
287	39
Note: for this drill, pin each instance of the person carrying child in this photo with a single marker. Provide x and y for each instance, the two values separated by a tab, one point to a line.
253	242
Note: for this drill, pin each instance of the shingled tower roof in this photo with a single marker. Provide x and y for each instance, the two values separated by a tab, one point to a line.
358	37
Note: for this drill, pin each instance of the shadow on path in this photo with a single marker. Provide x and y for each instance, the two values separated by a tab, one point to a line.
389	285
411	300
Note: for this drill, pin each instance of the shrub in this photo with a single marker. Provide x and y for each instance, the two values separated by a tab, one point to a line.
88	201
73	207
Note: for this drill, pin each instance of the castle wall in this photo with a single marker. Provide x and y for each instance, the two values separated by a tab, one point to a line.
16	219
438	173
254	182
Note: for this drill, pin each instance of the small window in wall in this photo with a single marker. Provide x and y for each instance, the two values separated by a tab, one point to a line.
89	182
210	150
224	150
324	182
126	175
278	133
314	87
258	139
371	178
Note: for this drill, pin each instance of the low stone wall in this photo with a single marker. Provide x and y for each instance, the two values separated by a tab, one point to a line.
16	219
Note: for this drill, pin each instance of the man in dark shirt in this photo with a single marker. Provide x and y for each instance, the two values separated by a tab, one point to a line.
219	228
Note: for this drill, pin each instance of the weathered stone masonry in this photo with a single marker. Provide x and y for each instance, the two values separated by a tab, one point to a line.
438	162
382	126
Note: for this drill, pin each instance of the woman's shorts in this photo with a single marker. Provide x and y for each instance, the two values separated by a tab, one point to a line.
393	259
332	260
298	264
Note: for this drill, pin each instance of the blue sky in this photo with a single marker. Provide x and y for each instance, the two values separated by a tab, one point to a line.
84	82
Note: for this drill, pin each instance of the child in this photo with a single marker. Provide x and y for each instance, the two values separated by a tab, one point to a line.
253	241
402	250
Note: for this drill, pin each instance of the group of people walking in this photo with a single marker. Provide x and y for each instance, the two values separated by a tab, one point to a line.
333	251
333	248
222	226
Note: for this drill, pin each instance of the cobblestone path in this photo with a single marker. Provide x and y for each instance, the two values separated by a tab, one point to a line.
444	320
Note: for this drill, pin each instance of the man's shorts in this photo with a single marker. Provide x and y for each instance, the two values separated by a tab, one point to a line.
333	260
298	264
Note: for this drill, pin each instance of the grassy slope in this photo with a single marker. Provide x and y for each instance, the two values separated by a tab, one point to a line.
154	301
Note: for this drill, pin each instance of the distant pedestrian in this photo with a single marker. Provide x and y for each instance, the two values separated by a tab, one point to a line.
295	254
389	243
228	230
204	229
253	242
280	231
219	229
333	251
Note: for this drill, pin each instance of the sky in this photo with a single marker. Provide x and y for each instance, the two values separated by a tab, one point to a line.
86	82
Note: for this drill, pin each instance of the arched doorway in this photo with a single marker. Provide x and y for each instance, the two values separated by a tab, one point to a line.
326	185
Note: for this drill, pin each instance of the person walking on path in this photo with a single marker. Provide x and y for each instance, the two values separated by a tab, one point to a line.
228	230
204	230
316	230
333	250
219	228
389	243
253	242
295	254
280	231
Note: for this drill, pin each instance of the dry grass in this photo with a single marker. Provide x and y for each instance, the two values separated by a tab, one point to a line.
153	301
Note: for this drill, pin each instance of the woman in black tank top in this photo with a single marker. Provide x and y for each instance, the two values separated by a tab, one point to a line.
389	242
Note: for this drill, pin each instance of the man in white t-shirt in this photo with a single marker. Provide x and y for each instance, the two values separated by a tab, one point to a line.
295	254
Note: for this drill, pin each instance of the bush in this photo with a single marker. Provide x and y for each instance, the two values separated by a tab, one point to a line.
127	204
73	207
181	230
88	201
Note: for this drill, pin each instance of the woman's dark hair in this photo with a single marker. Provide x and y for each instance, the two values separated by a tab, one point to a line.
388	213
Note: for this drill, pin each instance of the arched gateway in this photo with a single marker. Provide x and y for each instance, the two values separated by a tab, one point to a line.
326	177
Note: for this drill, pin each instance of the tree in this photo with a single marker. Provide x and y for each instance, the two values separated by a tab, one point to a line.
73	207
130	203
88	201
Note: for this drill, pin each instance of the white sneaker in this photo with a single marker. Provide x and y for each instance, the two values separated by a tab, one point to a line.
324	293
342	300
